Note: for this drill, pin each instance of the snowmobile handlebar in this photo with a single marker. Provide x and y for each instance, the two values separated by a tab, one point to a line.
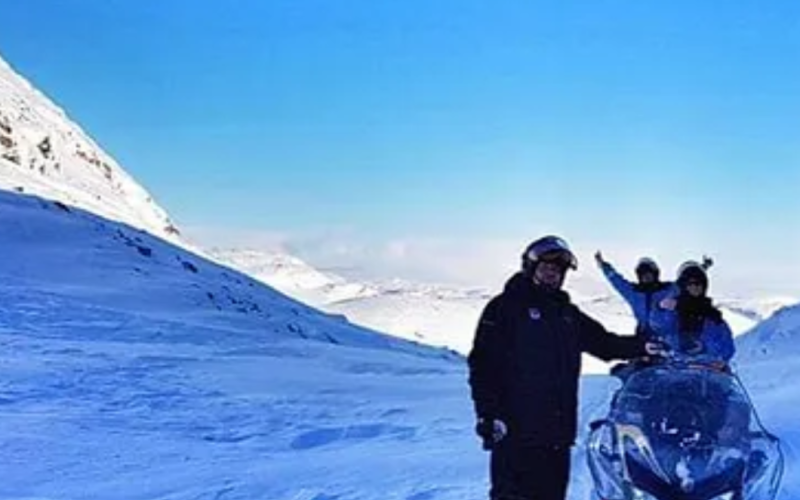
678	359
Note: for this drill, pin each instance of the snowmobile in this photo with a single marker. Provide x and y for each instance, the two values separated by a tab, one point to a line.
681	431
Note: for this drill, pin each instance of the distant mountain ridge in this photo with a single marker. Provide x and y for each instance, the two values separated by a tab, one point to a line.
440	315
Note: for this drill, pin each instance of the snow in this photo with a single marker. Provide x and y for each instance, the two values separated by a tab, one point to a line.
114	362
758	309
132	368
777	338
43	152
768	361
121	378
281	268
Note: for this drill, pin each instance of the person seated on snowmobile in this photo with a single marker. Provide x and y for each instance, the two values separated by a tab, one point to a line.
697	336
690	325
643	295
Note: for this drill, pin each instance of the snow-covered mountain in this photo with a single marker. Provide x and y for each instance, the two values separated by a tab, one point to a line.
441	315
67	248
290	274
43	152
758	309
121	353
133	369
776	338
434	314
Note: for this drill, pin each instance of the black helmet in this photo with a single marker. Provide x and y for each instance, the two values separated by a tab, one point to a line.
645	265
692	271
547	248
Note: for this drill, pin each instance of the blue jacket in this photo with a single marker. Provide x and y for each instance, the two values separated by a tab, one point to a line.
715	339
642	301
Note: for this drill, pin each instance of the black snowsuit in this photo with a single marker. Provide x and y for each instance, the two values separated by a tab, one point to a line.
524	370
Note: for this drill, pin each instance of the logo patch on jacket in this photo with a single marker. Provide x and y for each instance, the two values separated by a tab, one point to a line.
535	314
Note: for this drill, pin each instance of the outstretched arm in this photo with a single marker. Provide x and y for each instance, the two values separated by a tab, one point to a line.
601	343
623	286
620	284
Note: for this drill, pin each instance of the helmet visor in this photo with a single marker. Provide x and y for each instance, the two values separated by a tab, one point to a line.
550	251
561	257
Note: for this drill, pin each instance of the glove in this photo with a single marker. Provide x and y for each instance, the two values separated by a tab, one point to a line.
668	304
707	262
491	431
655	348
598	257
693	348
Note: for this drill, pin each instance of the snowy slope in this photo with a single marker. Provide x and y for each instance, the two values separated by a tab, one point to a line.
434	314
768	360
426	316
281	268
292	275
69	249
777	338
440	315
131	369
122	355
43	152
757	309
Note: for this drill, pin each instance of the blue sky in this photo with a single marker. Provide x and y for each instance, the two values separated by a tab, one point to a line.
668	127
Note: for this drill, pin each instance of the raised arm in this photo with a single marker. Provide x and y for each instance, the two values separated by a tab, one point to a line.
620	284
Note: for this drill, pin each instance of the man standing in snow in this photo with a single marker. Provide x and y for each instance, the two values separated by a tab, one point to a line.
524	370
